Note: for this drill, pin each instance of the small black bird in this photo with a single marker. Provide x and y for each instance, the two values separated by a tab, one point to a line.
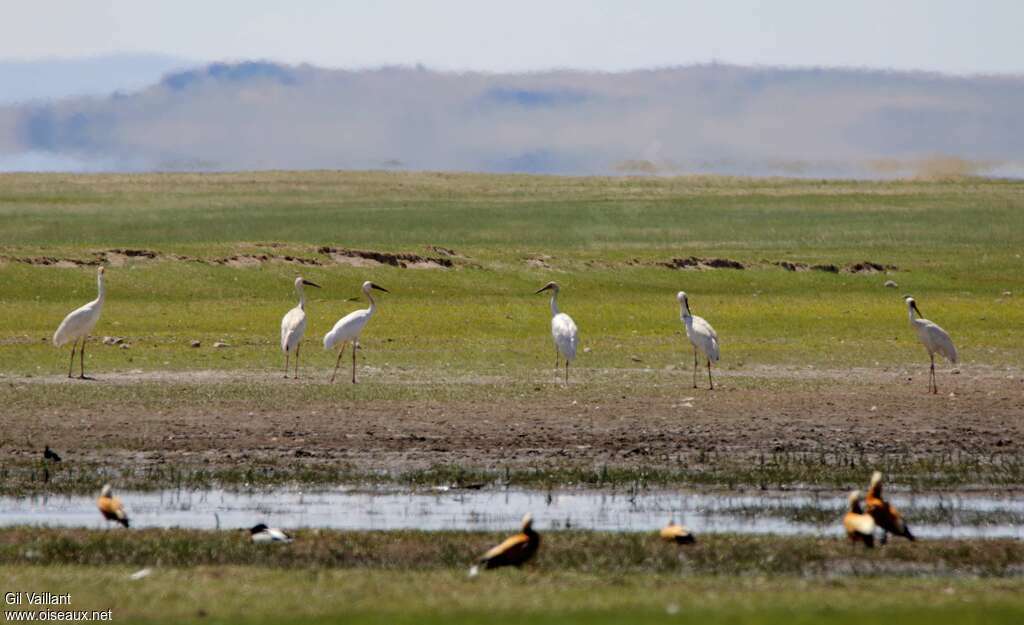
49	454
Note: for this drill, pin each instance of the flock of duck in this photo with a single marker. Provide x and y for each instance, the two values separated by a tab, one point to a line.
80	322
861	523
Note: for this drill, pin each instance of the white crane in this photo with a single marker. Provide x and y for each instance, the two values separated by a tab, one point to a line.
79	323
934	339
293	326
702	336
348	328
563	330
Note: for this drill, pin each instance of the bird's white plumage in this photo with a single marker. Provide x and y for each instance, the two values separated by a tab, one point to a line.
293	324
935	339
270	535
80	322
565	334
348	328
700	333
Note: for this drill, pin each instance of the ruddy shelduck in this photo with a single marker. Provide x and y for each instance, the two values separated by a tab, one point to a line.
860	527
676	533
111	507
885	515
513	551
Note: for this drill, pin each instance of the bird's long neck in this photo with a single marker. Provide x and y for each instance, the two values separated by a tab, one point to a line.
101	287
912	312
684	312
302	296
373	303
554	303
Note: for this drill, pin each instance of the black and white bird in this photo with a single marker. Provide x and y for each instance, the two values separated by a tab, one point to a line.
260	533
935	339
51	455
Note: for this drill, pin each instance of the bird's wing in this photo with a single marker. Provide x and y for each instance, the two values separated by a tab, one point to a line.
566	335
859	523
292	323
73	324
707	337
512	542
347	328
941	341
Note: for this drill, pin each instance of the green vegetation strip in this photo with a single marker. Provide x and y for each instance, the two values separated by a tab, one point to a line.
581	551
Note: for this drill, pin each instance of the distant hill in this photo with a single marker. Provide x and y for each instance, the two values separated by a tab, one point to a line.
709	118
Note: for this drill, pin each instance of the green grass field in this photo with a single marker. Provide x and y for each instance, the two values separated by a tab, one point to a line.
957	246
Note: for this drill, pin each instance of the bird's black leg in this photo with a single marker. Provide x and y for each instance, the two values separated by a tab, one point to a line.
566	370
711	385
355	345
297	348
81	360
934	388
286	364
338	362
694	367
71	365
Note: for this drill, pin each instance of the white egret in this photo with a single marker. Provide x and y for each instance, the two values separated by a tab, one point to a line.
348	328
293	326
563	330
79	323
934	339
702	336
261	534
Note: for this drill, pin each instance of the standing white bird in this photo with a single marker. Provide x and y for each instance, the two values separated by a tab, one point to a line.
348	328
293	326
79	323
934	339
563	330
702	336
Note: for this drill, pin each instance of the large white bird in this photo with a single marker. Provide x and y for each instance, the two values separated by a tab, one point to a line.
934	339
702	336
348	328
79	323
563	330
293	326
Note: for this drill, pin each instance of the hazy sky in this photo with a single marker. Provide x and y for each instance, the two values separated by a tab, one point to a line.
958	36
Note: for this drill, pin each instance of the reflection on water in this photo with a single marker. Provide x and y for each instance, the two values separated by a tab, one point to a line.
930	515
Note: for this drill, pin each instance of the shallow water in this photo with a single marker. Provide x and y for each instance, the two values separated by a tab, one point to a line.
937	515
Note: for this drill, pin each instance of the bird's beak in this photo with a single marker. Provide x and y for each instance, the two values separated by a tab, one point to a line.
542	289
312	284
379	288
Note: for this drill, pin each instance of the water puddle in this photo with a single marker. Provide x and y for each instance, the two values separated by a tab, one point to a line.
929	515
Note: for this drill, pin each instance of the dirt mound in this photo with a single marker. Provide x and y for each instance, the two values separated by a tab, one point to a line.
443	251
694	262
791	266
255	260
52	261
868	267
364	258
